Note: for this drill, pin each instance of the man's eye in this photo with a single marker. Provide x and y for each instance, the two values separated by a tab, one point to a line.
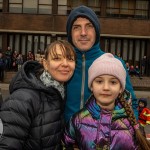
89	26
76	27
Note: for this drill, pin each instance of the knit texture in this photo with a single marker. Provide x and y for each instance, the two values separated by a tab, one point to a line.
107	64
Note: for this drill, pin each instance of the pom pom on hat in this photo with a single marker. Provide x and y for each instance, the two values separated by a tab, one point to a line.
107	64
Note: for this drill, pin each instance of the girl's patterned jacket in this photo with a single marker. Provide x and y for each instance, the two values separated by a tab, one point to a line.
93	128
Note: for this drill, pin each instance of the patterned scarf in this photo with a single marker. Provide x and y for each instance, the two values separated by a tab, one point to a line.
48	81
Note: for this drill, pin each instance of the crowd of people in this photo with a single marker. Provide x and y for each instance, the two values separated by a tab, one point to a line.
79	96
12	60
137	70
134	71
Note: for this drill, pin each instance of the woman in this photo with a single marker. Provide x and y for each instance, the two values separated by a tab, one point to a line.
32	115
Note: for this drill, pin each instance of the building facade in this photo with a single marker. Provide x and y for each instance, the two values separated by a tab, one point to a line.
29	25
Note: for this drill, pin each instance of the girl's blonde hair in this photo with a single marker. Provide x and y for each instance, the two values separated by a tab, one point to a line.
143	143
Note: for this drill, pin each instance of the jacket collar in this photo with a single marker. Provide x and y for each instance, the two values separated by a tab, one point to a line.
92	52
96	111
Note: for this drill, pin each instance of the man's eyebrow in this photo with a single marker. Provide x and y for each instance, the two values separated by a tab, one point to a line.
76	25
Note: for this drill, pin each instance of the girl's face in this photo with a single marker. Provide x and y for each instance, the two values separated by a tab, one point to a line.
106	89
59	67
141	104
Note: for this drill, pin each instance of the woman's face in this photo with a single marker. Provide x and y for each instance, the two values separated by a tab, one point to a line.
59	67
106	89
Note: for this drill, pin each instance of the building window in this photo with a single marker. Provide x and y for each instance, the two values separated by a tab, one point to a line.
1	5
112	8
62	7
141	9
127	8
15	6
30	6
124	7
93	4
45	7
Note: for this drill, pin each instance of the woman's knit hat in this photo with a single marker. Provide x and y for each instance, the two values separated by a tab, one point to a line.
107	64
85	12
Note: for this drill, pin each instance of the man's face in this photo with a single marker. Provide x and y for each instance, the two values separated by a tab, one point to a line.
83	34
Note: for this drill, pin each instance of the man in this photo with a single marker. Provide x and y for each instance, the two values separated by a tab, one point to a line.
83	31
8	55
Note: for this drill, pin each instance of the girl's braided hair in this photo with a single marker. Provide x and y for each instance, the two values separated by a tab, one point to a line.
143	143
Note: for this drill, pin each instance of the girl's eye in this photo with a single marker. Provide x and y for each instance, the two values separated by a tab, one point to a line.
99	81
114	82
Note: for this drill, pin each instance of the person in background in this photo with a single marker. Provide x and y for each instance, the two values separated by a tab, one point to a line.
137	71
144	114
14	59
83	31
107	121
2	67
128	67
38	55
144	63
132	71
19	61
8	56
32	116
30	56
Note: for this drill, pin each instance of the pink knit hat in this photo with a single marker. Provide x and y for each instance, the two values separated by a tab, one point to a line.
107	64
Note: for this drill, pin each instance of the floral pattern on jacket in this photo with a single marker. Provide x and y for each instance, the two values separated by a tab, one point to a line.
94	128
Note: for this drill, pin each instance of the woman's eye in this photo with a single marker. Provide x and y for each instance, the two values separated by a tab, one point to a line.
71	59
56	58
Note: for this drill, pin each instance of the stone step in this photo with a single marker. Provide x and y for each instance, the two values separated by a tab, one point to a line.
141	84
8	75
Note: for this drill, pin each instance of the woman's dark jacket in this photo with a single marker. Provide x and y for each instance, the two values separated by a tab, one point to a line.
32	114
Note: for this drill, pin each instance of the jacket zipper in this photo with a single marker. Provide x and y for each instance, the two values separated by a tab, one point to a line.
83	82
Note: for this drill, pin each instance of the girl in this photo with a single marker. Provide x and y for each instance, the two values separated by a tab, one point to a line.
32	116
107	121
